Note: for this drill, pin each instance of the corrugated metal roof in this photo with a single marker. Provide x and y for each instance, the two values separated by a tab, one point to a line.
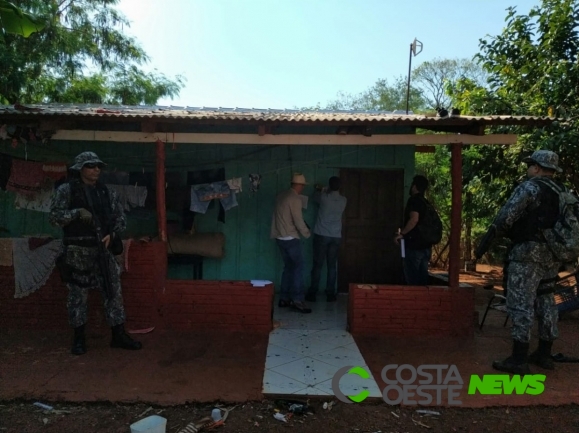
257	115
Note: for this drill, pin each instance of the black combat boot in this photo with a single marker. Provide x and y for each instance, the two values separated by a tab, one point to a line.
517	362
78	343
542	356
122	340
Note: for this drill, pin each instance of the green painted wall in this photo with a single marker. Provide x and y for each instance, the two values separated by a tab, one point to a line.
250	254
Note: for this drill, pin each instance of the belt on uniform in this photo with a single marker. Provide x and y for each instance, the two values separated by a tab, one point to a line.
80	242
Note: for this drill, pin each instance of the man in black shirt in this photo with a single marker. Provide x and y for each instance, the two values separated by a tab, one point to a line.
418	251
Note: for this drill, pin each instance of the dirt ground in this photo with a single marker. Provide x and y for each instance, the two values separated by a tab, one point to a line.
23	417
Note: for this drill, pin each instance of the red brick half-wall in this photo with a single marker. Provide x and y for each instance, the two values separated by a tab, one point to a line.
411	311
230	305
149	299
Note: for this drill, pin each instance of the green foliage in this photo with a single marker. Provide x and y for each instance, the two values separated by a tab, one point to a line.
533	70
83	53
15	21
381	96
432	77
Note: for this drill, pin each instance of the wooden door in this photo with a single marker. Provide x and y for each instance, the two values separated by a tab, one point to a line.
373	214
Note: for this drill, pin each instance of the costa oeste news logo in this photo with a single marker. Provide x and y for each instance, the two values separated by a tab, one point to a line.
415	385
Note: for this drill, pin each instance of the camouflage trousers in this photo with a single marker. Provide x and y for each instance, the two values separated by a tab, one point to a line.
86	274
524	278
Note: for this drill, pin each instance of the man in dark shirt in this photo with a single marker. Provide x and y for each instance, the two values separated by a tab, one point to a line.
418	252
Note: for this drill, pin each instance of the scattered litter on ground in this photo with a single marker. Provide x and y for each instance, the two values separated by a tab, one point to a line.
216	414
146	411
140	331
328	405
420	423
297	407
45	421
396	415
43	406
207	423
153	423
280	417
428	412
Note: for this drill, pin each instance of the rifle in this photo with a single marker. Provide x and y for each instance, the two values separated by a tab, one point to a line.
485	242
103	254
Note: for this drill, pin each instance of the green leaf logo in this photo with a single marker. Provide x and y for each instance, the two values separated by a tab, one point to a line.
361	396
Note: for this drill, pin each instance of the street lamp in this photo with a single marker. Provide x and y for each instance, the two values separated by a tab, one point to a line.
413	46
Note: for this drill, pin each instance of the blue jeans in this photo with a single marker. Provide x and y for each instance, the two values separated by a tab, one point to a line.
325	249
416	266
292	278
200	193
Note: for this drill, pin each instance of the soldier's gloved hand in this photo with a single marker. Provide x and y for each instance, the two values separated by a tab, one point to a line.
85	216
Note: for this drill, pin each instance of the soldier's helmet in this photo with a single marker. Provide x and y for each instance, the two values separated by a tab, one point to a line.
86	158
546	159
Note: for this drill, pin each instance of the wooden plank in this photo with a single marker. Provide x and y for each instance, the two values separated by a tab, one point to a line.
285	139
455	216
160	191
425	149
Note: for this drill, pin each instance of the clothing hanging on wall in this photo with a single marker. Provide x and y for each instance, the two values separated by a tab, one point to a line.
130	196
146	179
201	196
54	170
38	202
32	268
201	177
26	177
254	182
235	185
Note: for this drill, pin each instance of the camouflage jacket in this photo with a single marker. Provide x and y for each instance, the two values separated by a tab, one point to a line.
526	197
61	215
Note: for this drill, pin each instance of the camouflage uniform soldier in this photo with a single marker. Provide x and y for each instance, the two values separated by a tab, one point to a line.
79	263
531	208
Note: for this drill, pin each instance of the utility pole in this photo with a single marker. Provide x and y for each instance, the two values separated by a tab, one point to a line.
413	47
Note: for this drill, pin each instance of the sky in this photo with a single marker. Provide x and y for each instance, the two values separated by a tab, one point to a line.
299	53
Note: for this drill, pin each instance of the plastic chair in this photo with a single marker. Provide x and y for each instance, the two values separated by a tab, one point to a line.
499	306
567	293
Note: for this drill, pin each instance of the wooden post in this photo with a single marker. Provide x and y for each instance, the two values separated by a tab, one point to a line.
455	216
161	208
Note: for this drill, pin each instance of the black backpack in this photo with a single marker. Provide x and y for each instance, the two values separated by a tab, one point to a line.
430	225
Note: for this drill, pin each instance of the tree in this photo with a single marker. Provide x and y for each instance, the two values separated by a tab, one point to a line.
81	55
432	77
381	96
533	70
15	21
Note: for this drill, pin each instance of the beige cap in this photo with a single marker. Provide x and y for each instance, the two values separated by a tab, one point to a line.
299	179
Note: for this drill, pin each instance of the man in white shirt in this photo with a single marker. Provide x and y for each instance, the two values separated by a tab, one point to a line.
327	238
286	226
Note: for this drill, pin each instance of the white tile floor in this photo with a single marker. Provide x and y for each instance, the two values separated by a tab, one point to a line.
306	350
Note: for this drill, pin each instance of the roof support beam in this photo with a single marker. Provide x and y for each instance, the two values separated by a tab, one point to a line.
148	126
284	139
